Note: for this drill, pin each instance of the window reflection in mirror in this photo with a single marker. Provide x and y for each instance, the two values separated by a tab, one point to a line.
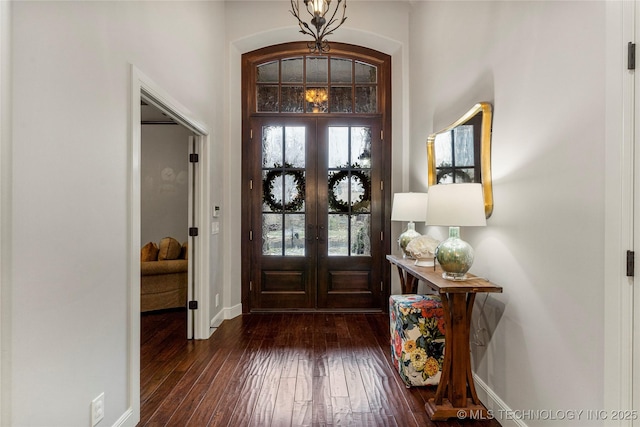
462	152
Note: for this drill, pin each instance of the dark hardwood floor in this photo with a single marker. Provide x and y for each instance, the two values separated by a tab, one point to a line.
291	369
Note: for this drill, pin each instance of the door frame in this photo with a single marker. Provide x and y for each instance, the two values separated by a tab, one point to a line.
622	194
143	87
383	60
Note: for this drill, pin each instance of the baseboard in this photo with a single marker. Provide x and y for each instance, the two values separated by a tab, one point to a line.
224	314
126	419
498	409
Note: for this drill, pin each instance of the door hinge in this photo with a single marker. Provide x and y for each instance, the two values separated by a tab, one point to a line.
251	134
381	286
381	185
251	235
631	263
193	158
250	184
382	236
381	134
250	285
193	231
631	56
193	305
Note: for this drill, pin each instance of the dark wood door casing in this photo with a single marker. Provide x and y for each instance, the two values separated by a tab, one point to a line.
251	240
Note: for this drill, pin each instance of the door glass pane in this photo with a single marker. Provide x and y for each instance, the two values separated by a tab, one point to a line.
292	99
360	191
283	190
339	191
360	230
294	188
271	234
341	99
338	146
338	237
361	147
317	99
317	70
294	146
271	146
272	190
341	70
292	70
267	73
267	99
365	73
366	99
294	235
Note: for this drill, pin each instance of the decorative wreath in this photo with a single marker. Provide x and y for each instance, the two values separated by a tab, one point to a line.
339	206
267	190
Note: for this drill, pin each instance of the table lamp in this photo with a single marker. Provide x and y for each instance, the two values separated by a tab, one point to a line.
408	207
455	205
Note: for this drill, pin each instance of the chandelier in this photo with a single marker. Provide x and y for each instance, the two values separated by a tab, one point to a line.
320	27
317	97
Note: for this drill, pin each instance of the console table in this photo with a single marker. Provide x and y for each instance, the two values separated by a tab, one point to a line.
456	393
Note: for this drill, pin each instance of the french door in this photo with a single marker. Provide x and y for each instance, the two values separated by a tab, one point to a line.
316	223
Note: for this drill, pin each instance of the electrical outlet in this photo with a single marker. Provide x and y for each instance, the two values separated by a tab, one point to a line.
97	409
217	300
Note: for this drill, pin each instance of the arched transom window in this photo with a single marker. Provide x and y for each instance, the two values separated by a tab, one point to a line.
316	84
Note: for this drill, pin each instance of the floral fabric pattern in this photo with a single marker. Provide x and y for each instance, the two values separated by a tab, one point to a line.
417	338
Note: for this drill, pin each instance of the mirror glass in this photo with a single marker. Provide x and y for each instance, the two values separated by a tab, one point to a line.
462	152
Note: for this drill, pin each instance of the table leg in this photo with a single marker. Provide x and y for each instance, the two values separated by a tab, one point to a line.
456	394
408	282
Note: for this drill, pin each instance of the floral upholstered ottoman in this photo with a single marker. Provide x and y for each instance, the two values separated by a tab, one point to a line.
417	338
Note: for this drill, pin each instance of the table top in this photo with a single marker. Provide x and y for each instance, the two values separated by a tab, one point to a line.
433	278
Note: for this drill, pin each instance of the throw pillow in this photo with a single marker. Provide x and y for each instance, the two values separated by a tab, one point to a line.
169	249
149	252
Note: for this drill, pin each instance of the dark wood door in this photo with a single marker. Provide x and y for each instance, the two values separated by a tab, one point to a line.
317	213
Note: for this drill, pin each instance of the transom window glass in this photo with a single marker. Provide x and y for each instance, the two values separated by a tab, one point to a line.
316	84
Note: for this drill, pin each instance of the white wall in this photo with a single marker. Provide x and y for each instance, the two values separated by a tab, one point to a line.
71	111
541	64
164	183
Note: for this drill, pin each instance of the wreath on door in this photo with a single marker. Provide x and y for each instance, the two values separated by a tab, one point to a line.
337	205
268	183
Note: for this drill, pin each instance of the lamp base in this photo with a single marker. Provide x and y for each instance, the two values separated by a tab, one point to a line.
425	262
406	237
454	277
455	256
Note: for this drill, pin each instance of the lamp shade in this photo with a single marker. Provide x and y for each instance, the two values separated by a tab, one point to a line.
456	205
409	207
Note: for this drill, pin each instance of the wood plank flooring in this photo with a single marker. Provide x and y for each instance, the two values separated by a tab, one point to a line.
281	369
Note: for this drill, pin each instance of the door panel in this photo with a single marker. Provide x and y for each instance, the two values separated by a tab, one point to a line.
283	246
349	211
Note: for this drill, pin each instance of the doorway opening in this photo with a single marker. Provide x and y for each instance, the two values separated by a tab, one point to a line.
145	90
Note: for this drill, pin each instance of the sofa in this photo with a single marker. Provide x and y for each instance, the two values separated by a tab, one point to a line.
163	275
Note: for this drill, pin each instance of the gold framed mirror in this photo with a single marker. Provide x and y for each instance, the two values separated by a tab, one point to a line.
461	152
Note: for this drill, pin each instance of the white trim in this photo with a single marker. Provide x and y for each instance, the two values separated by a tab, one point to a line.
141	85
6	266
619	193
125	419
225	314
497	407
